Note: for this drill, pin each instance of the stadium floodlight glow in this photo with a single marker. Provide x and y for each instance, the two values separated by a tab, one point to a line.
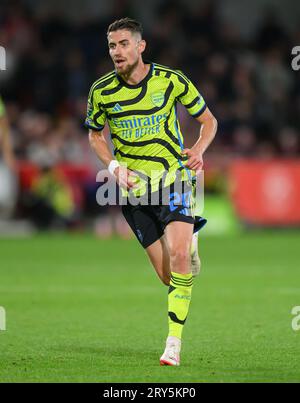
2	318
2	58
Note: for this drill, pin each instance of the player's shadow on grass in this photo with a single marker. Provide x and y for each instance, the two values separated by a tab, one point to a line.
117	352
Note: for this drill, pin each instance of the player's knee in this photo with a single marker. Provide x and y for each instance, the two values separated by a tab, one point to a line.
179	254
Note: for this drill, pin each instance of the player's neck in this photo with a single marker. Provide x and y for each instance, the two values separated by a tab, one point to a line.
137	74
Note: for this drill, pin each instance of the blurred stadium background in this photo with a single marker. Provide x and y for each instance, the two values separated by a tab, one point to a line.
238	53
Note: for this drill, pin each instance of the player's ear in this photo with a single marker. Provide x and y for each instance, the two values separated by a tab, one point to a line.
142	45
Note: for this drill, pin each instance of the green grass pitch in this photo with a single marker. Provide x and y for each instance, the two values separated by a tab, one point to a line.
83	310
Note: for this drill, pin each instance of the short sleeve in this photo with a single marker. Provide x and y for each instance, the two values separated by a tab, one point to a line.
189	96
95	117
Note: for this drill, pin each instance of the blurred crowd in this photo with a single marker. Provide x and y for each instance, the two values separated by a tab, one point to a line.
247	83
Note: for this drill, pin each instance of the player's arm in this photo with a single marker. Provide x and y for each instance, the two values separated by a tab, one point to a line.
208	131
99	145
5	143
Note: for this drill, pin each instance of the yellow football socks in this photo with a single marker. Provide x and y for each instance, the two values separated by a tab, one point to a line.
180	292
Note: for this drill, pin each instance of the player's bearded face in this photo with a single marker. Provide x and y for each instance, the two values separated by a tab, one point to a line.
124	50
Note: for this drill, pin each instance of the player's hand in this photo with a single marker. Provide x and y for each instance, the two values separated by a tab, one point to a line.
195	159
125	177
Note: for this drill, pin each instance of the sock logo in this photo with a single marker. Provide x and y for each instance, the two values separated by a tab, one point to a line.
188	297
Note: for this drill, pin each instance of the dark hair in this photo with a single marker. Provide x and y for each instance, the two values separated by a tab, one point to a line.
126	23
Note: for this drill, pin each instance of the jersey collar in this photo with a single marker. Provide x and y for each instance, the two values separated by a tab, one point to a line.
141	83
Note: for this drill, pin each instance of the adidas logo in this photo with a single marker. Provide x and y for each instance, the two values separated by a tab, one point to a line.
117	108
